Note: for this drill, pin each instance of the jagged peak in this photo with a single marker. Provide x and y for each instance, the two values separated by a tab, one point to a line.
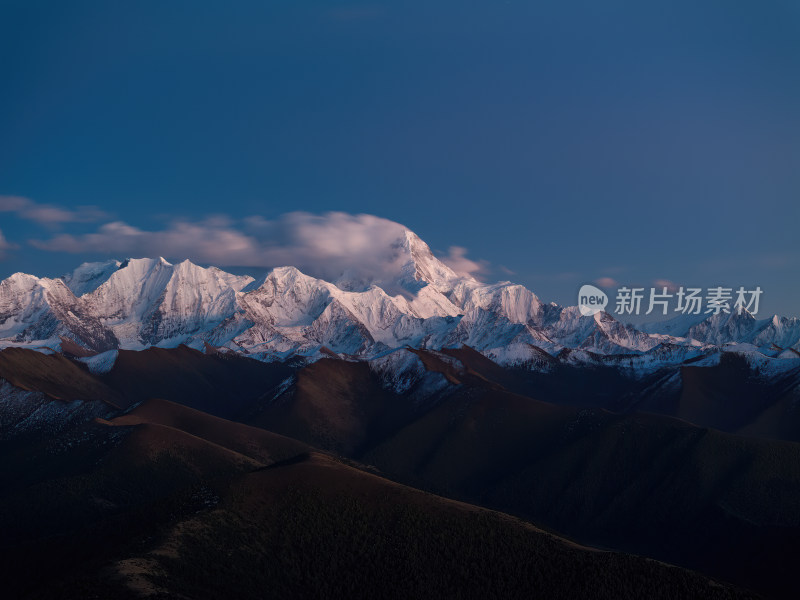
135	277
186	269
145	301
422	267
290	275
186	264
404	267
734	314
281	278
742	311
145	263
90	275
287	271
603	317
28	281
20	277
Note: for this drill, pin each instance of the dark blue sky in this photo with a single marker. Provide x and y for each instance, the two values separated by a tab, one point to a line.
563	141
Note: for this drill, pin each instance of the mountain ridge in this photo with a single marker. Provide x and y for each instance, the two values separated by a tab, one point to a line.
140	303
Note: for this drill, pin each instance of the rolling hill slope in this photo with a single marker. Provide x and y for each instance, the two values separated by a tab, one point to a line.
153	508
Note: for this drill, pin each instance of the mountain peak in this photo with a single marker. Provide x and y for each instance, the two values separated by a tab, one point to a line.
401	296
188	273
421	267
144	264
404	266
90	275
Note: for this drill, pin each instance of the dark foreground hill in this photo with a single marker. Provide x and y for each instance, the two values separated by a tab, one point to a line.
722	504
168	502
731	395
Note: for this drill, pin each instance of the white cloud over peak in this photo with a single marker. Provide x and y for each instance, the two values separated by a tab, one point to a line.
363	248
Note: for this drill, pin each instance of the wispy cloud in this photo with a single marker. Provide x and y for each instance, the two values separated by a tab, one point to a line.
202	242
457	260
329	245
606	282
5	245
50	215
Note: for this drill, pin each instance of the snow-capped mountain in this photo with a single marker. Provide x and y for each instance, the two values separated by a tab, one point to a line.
145	302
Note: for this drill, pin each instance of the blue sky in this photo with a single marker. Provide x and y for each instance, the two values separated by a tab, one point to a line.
559	143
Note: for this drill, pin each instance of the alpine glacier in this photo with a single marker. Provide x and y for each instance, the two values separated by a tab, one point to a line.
139	303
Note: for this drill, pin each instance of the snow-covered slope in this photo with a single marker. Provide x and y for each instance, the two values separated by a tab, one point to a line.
738	326
146	302
89	276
